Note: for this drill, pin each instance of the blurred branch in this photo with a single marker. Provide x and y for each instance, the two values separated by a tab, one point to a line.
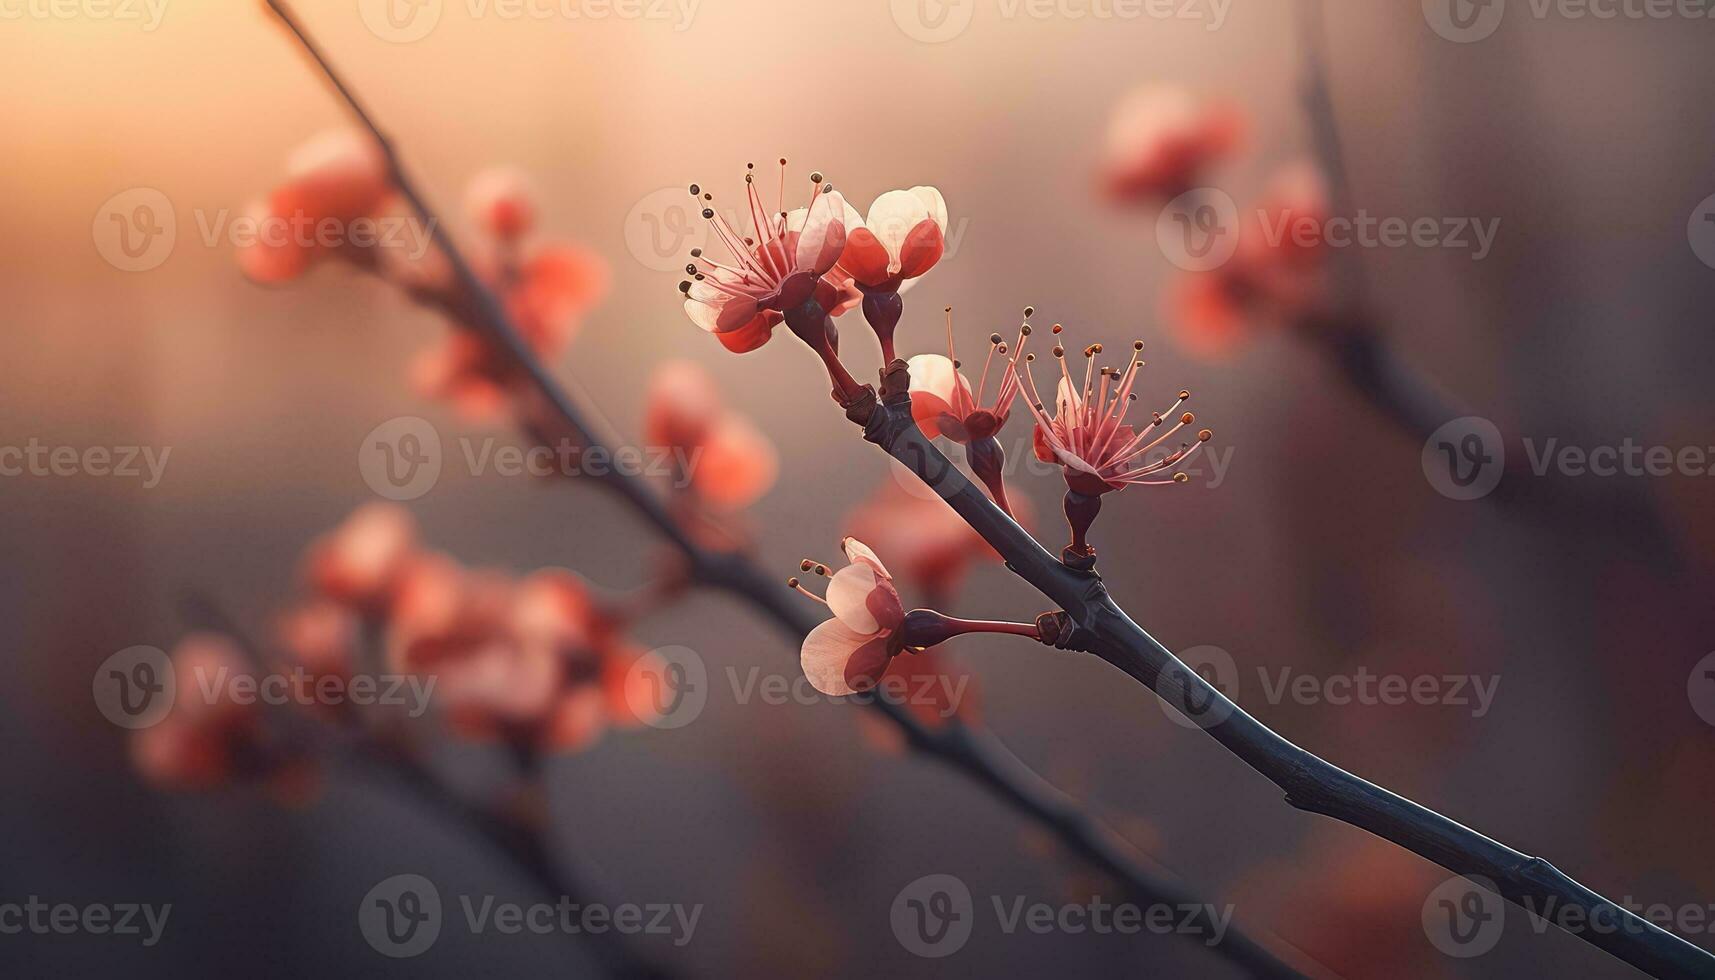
524	846
1352	337
1099	626
977	754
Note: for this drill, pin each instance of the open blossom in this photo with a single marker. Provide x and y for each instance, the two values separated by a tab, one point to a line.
334	179
1161	141
1098	452
724	458
1275	275
851	651
782	265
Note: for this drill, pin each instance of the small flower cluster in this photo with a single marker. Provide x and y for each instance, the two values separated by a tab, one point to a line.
725	462
1163	141
538	663
547	287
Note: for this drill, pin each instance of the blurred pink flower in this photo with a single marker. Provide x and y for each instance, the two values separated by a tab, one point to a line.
203	742
360	562
501	203
337	177
1276	275
730	462
931	545
1161	142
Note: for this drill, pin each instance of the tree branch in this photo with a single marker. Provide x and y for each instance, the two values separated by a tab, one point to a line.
1101	627
977	754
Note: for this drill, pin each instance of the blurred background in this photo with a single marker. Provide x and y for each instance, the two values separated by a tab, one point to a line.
1324	548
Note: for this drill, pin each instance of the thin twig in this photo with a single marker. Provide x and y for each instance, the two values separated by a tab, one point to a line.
975	753
1311	783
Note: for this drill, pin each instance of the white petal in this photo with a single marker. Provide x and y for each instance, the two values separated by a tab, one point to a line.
891	219
936	204
849	594
934	374
823	235
825	653
857	551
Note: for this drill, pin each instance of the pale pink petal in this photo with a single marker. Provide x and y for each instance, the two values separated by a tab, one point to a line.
857	551
851	593
826	651
891	220
822	237
936	204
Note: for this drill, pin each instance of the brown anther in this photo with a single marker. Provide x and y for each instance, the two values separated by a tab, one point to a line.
1137	345
695	190
994	338
816	178
708	212
1057	328
1025	330
1029	311
806	565
822	570
1001	347
791	583
1184	395
1187	418
1059	351
1181	478
1205	435
1028	358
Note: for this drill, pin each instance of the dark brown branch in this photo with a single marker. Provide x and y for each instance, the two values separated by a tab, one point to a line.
975	753
1099	626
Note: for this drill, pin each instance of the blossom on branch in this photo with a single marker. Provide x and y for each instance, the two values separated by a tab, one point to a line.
901	240
332	180
721	456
